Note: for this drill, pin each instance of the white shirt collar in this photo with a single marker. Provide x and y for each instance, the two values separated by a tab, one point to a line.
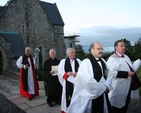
119	54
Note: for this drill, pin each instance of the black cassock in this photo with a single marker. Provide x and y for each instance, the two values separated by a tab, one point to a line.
53	88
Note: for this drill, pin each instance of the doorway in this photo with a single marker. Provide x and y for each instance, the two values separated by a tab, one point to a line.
1	64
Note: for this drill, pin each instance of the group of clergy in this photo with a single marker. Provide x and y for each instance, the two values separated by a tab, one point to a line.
89	86
95	85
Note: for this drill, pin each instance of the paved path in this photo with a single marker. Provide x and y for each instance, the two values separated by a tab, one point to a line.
9	94
10	88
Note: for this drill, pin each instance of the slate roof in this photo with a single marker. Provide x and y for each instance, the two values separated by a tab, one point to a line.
1	9
52	13
15	40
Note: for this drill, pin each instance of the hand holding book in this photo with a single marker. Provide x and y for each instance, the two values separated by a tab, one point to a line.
54	70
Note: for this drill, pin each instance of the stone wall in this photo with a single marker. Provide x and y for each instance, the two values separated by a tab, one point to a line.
16	76
5	45
6	53
28	18
12	74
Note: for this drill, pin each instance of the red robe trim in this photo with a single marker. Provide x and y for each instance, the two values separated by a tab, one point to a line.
63	112
65	76
36	87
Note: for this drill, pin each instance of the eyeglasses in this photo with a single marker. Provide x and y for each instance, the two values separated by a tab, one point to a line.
98	49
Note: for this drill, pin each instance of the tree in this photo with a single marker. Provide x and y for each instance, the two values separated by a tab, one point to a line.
137	49
127	44
107	55
129	48
79	52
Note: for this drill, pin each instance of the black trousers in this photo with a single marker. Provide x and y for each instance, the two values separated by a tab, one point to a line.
124	108
97	105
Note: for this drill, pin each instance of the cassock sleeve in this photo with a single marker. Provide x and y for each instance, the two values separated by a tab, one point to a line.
19	62
79	61
61	71
108	82
46	68
62	75
85	80
71	78
113	69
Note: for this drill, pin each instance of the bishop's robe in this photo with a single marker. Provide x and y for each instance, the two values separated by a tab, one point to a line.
28	80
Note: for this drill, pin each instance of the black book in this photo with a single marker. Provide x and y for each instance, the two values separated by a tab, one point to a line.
26	63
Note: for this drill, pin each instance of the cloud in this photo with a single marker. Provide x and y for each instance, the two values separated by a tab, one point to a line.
107	35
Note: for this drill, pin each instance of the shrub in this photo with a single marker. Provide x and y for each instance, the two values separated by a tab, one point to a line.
139	76
40	75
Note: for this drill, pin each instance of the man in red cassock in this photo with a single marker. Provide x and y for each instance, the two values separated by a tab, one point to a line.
28	79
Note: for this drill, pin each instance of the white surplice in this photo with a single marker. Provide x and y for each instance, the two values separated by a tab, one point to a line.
30	74
71	79
121	86
87	88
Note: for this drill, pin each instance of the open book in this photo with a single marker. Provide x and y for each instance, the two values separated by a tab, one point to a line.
137	64
55	68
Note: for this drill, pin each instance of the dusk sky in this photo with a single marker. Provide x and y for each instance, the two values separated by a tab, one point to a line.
104	21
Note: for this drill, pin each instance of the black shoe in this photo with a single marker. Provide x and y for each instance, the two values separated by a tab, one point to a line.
58	103
29	99
50	105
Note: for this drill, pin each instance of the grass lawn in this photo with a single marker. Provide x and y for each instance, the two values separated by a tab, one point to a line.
139	76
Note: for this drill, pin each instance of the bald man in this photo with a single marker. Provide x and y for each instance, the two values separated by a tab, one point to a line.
92	84
28	79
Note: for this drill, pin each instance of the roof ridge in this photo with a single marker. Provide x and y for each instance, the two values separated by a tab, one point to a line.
6	32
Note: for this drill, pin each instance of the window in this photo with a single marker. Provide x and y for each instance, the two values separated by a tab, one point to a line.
70	44
23	29
34	30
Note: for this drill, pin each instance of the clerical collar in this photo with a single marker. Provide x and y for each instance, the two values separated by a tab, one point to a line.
71	59
27	56
97	59
119	54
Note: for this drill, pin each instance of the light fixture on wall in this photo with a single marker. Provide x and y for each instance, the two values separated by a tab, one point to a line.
37	50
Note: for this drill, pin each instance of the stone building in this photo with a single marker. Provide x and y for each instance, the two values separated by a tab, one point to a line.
32	23
71	40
